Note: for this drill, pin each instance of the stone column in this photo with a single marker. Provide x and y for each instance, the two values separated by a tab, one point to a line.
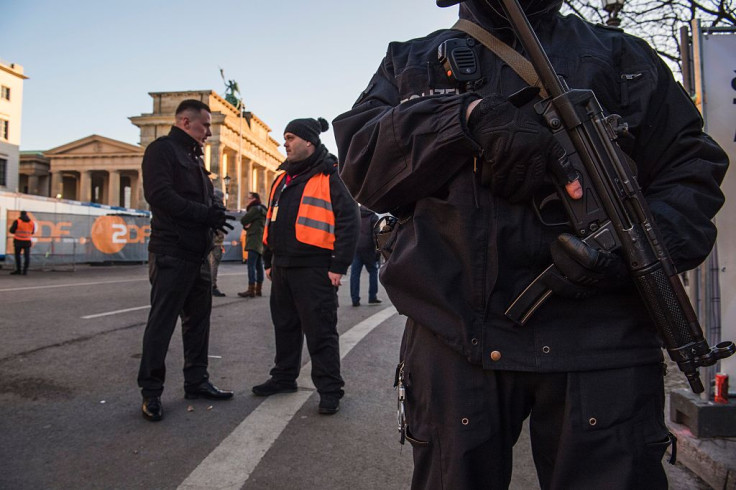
240	189
57	184
265	184
225	170
137	199
33	185
270	175
113	188
215	158
85	186
247	176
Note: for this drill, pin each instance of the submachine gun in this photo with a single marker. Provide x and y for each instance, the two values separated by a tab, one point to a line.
613	214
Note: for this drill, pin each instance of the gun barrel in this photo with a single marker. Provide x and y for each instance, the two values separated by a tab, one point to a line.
533	47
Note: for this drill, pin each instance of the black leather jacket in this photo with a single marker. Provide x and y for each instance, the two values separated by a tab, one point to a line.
177	187
461	255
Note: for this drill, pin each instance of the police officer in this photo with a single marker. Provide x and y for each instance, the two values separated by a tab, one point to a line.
587	373
310	236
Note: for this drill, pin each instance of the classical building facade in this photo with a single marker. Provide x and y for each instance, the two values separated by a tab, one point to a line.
240	151
97	169
11	109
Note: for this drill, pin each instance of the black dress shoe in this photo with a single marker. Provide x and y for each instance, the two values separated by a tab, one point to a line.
329	405
152	409
374	301
218	293
207	390
15	273
272	387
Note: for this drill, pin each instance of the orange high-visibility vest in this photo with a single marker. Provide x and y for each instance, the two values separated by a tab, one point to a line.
24	230
315	220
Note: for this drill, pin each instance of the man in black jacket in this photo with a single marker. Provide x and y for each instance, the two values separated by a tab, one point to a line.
310	236
185	214
365	255
587	373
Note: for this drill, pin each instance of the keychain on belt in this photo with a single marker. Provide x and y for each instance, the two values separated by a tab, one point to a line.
401	410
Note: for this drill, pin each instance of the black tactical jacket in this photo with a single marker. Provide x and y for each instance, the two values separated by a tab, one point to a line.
461	255
178	188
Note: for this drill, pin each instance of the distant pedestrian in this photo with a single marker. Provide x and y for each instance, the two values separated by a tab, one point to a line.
215	256
185	214
365	256
310	237
22	229
253	222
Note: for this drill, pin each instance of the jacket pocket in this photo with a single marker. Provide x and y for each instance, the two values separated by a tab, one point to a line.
415	442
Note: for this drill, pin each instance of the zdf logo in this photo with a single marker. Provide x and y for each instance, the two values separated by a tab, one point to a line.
111	233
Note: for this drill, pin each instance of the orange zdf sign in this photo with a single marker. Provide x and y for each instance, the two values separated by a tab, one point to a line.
111	233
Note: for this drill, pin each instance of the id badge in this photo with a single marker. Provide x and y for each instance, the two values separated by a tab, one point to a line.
274	213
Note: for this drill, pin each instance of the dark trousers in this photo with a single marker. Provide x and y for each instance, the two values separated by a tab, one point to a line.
589	430
371	265
25	247
178	289
304	303
255	267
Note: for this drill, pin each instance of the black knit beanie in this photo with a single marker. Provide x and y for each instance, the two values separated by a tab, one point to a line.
308	129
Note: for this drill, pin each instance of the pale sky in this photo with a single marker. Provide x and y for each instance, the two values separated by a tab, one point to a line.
92	63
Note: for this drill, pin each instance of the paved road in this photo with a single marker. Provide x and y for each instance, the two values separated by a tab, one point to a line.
69	406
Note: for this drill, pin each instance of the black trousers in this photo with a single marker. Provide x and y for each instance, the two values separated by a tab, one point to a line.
304	303
25	247
589	430
178	289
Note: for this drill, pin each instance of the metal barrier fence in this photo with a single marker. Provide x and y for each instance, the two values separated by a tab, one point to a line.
53	253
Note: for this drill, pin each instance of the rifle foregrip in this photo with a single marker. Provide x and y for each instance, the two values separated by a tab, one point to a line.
675	321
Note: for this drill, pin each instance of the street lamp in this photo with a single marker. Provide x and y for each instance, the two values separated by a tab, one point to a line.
227	179
613	7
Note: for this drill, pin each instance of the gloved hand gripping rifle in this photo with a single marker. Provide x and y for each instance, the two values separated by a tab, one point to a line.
612	214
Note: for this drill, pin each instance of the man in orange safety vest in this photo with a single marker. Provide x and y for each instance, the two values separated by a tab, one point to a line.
310	236
22	229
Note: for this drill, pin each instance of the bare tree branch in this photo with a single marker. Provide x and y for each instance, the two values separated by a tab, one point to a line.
659	21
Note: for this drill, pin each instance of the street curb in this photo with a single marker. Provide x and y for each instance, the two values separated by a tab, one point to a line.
713	460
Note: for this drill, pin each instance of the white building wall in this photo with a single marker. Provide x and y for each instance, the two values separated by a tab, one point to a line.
719	111
11	109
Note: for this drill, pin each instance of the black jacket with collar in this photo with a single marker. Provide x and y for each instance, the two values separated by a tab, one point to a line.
179	191
461	255
284	250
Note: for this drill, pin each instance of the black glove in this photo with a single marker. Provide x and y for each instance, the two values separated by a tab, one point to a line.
217	219
584	270
516	144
